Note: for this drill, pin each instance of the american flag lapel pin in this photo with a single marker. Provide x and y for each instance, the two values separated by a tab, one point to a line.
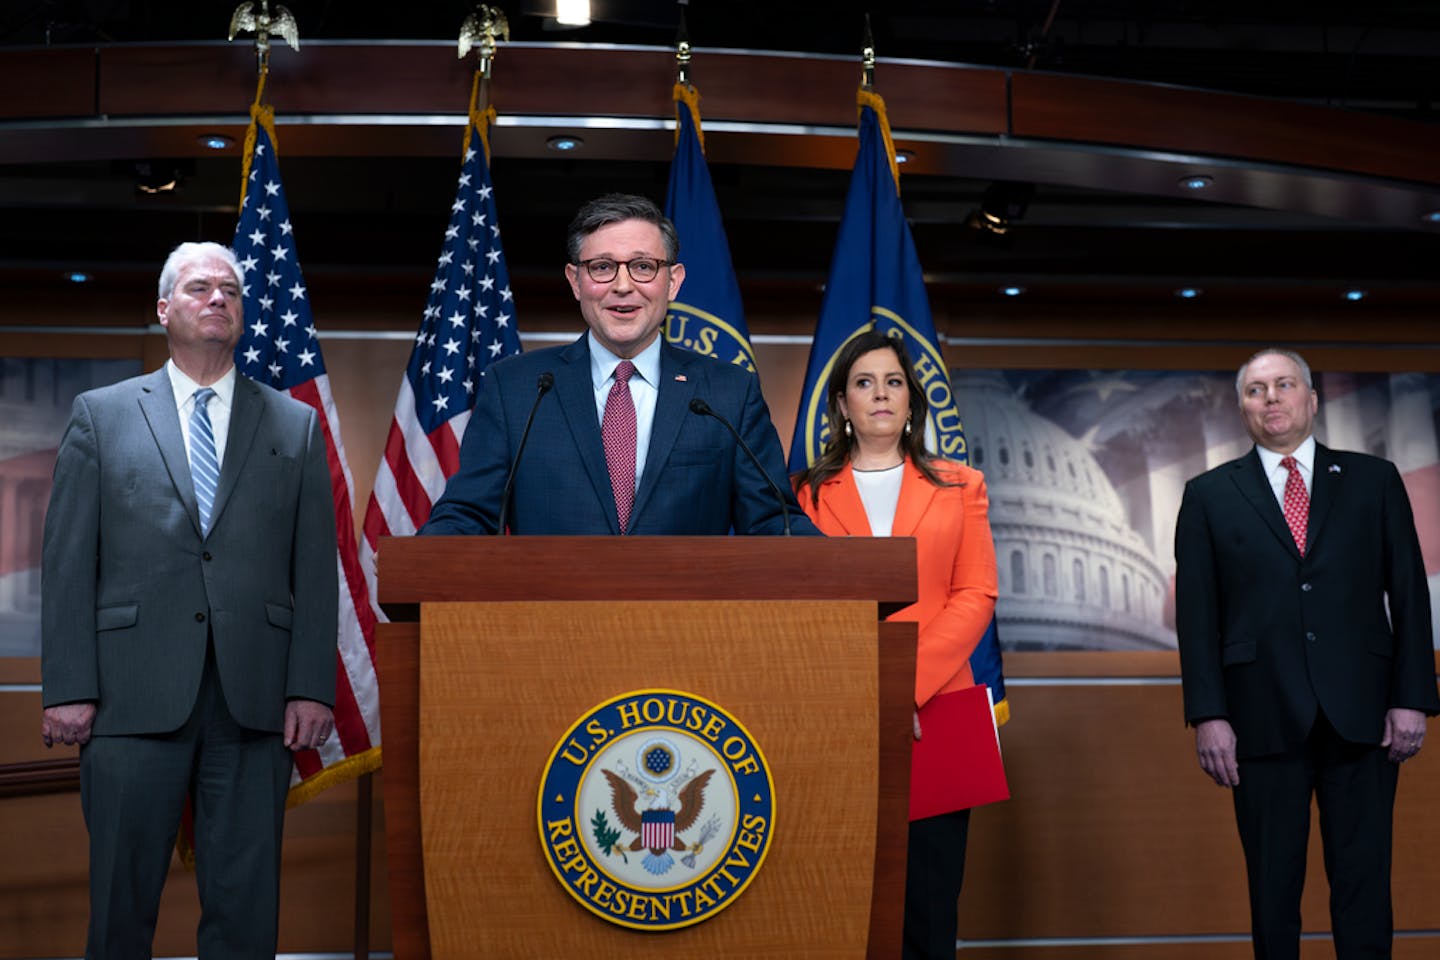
680	378
1334	468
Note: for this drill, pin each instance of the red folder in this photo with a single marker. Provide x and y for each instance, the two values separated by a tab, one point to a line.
956	762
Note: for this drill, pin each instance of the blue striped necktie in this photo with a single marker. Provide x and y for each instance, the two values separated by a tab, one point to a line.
204	465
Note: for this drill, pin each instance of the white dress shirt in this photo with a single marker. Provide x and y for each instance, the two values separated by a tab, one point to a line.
1277	475
880	493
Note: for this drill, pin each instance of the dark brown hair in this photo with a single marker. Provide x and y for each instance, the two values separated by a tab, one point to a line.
618	208
838	447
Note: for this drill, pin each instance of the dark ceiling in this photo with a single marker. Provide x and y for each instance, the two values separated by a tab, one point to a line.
1370	54
370	216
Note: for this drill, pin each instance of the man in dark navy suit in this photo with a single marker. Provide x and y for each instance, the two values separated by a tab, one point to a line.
1306	654
618	447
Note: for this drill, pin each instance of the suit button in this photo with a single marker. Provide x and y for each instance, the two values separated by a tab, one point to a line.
199	618
1310	636
1305	587
206	556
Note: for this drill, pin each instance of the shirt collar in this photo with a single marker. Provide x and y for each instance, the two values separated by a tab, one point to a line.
1304	455
185	388
603	363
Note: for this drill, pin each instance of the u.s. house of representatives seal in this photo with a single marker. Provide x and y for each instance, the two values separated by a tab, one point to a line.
656	809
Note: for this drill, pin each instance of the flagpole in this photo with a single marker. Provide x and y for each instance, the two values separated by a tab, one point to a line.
867	57
295	365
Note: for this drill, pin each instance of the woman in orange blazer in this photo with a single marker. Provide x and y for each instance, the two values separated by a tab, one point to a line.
875	478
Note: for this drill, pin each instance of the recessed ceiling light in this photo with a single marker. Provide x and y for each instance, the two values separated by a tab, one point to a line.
573	13
1012	291
564	144
1188	293
1198	181
904	156
78	276
1356	294
215	141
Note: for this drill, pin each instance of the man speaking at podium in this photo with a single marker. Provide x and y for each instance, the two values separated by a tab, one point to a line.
631	435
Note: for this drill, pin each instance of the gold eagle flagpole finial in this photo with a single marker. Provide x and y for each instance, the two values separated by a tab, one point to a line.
264	25
479	31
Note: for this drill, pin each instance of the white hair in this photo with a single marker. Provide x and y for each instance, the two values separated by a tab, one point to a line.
1275	351
187	253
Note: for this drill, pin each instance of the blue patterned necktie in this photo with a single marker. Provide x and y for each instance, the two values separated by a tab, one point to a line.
204	465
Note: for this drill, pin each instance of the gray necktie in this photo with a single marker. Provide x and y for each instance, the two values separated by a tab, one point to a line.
204	465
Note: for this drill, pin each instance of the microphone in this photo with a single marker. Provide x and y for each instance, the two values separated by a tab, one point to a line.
543	383
705	410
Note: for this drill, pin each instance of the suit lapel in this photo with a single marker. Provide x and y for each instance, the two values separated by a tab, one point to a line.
840	498
1325	487
577	400
672	406
1250	478
245	414
915	495
157	405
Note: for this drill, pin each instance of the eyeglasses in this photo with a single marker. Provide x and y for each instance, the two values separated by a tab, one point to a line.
641	269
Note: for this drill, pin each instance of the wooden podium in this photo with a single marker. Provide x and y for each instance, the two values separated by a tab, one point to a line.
499	644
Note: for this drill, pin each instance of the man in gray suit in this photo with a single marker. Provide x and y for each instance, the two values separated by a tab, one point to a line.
188	619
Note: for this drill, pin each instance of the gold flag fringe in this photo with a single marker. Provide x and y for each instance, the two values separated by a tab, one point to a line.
480	119
864	98
690	96
263	115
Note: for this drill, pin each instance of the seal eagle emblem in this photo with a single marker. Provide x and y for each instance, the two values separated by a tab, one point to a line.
656	809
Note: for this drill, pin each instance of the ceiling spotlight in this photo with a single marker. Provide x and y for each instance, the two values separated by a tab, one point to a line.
215	141
572	13
1356	295
1012	291
78	276
1198	181
1188	293
1003	203
564	143
904	156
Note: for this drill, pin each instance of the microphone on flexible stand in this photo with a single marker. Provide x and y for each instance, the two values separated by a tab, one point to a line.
705	410
543	383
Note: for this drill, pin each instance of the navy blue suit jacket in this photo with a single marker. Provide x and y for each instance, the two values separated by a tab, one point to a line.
696	480
1267	637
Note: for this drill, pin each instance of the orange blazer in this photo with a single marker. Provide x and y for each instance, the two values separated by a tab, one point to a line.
955	560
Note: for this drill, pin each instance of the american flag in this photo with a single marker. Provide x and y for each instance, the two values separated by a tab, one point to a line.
280	348
468	324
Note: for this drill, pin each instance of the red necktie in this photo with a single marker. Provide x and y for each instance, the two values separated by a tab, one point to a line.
617	429
1297	502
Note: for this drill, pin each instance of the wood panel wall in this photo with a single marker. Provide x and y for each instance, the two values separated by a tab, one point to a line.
1113	832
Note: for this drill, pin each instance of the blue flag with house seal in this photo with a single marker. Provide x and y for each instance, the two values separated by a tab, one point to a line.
876	280
708	318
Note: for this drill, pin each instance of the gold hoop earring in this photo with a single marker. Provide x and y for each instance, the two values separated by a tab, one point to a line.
848	432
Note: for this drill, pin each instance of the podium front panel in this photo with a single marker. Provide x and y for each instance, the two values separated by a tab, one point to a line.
500	682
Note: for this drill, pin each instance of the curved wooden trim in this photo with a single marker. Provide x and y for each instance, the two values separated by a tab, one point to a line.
218	81
1218	124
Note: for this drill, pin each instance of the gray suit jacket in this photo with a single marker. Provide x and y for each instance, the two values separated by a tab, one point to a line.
131	589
